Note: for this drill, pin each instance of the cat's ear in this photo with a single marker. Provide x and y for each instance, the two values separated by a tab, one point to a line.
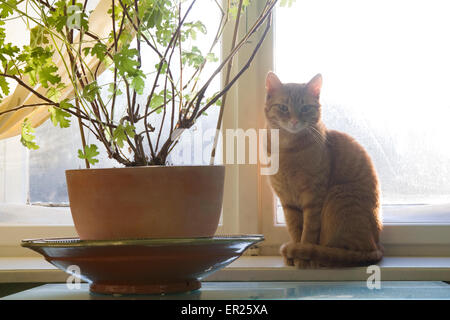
315	85
272	83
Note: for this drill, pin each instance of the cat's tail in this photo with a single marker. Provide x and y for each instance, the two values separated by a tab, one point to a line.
330	256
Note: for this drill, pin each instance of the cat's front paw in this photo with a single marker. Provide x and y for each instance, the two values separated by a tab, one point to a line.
288	261
306	264
302	264
286	252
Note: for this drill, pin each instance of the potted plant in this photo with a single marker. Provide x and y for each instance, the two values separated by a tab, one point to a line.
58	74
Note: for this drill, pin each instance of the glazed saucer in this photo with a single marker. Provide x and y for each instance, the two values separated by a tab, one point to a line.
143	266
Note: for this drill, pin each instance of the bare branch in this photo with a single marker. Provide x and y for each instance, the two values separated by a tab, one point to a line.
200	94
227	80
27	106
174	36
23	84
237	76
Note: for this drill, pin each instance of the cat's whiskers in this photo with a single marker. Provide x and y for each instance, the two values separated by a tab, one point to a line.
316	135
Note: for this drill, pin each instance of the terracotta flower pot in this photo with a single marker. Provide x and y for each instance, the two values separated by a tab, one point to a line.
146	202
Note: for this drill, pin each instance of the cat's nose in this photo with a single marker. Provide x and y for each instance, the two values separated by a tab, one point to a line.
294	122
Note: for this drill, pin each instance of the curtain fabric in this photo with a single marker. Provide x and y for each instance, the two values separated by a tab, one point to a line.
10	123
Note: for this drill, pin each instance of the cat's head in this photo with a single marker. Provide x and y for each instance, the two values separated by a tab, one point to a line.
292	107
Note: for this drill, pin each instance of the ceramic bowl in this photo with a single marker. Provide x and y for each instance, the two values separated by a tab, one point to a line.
143	266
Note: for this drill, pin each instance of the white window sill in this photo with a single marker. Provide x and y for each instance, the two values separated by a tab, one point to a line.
26	215
267	268
18	222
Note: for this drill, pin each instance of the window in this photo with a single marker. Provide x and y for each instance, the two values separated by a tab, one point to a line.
13	174
386	78
37	177
45	181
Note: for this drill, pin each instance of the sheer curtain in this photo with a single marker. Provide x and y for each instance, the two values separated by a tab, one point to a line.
10	123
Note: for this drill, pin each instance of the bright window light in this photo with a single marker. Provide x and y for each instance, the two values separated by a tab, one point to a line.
386	70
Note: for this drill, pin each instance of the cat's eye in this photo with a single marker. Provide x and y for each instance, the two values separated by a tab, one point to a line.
306	108
283	108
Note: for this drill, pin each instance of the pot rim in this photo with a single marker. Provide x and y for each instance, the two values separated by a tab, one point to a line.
76	242
143	167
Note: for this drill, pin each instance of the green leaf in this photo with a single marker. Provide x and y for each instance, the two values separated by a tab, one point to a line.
157	101
47	74
163	67
90	91
121	132
38	36
54	93
111	89
89	153
235	6
65	104
193	58
27	135
218	101
211	57
40	66
99	50
125	61
284	3
59	116
125	39
58	17
191	29
7	50
6	8
138	84
67	15
127	64
4	86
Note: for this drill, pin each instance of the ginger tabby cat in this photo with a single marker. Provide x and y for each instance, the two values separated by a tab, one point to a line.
326	183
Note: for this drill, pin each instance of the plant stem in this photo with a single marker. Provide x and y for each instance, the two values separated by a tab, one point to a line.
23	84
227	80
83	138
243	69
200	94
171	43
27	106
